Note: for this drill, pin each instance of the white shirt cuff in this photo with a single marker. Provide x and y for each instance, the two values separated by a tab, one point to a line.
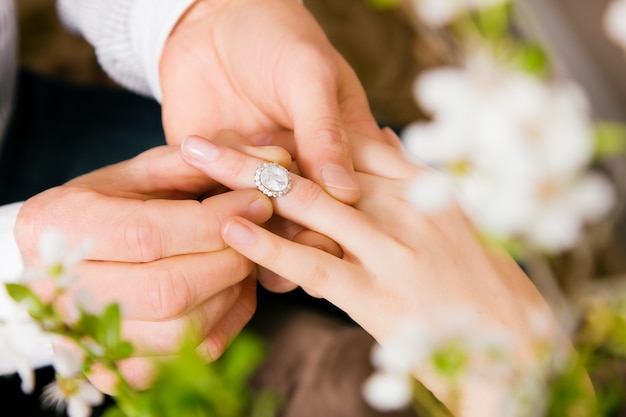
151	22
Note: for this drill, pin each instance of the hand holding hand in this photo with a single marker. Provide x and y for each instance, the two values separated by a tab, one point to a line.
158	251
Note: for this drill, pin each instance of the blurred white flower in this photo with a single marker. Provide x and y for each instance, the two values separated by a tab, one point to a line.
440	12
67	362
53	247
516	148
388	391
12	335
449	348
593	196
615	22
405	352
23	346
78	395
57	258
430	192
528	399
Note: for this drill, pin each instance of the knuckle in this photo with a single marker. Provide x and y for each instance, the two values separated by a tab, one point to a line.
141	238
214	345
330	132
168	337
44	210
306	194
168	294
230	263
231	164
26	226
318	277
246	305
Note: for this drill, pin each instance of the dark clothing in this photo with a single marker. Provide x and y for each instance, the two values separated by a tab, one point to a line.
60	130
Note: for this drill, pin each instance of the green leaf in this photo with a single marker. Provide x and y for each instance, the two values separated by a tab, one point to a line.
426	404
383	4
450	359
106	330
114	411
266	404
532	59
26	297
88	324
571	395
242	358
111	325
188	386
494	22
611	396
610	139
20	293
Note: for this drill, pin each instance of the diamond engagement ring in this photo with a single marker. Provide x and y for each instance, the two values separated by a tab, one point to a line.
272	179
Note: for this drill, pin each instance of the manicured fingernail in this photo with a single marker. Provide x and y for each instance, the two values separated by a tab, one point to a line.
199	149
240	233
336	176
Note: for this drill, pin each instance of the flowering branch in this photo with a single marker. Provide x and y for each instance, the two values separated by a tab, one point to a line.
183	386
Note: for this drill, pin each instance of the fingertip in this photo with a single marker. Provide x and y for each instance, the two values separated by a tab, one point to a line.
260	210
283	139
236	232
269	153
340	183
392	138
318	241
138	372
274	282
197	150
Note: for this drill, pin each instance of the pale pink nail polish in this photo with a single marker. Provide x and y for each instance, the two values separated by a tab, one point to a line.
199	149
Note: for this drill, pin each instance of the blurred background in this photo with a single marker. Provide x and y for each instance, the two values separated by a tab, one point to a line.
47	47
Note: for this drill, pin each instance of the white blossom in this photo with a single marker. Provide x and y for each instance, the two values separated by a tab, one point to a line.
442	12
67	362
615	22
430	192
413	349
516	148
593	196
53	247
78	395
57	258
23	346
388	391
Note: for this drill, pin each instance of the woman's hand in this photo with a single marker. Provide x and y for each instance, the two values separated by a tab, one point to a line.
397	264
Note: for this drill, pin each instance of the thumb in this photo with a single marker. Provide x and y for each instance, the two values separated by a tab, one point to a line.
322	145
156	173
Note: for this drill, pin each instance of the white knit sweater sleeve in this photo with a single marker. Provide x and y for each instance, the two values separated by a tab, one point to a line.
128	36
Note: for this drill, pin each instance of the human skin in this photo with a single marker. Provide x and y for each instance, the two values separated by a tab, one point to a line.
227	64
262	67
397	263
157	251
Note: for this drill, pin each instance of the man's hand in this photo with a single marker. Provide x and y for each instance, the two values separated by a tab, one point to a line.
158	251
261	67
